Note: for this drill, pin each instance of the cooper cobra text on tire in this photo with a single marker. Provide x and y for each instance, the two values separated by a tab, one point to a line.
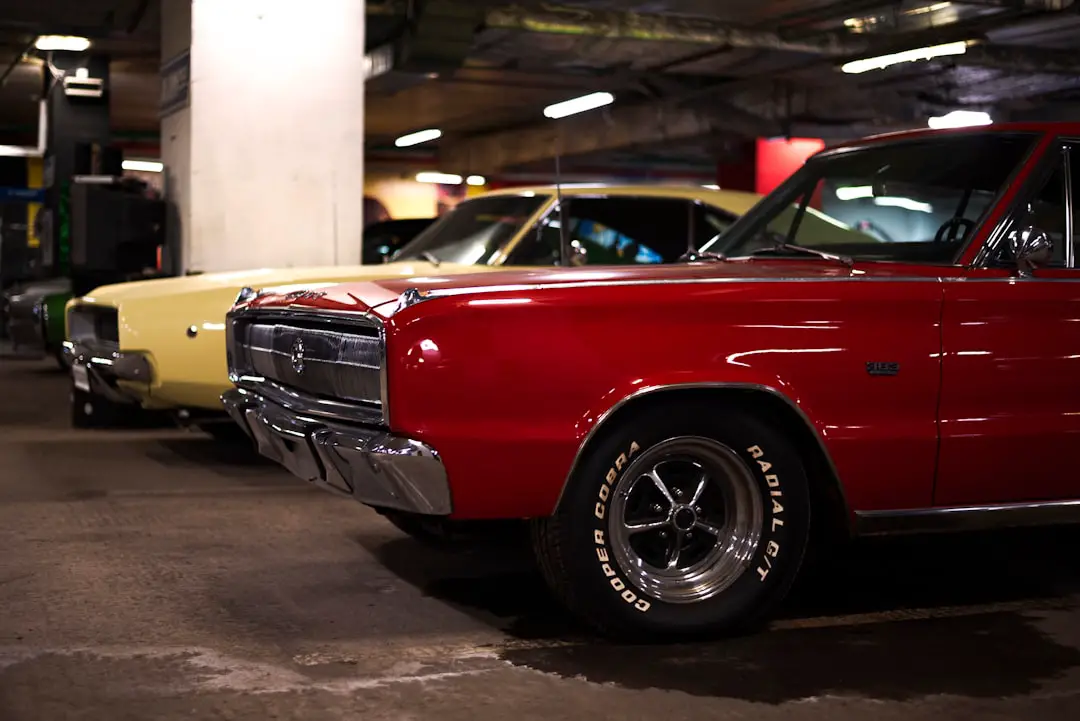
689	521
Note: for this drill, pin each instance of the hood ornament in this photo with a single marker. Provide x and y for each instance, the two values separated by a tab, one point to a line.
246	294
296	356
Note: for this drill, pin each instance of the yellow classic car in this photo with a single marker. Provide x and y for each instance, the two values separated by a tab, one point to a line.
160	343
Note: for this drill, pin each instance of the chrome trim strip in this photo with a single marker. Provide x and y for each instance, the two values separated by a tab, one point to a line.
967	518
531	287
753	387
357	317
1070	257
523	287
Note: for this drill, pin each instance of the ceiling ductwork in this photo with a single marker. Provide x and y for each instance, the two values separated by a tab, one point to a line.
838	45
436	39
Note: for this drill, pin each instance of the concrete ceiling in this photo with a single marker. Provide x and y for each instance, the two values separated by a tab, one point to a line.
688	74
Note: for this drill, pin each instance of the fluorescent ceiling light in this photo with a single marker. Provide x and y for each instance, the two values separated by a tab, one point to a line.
476	180
61	42
579	105
852	192
907	56
420	136
147	166
905	203
440	178
959	119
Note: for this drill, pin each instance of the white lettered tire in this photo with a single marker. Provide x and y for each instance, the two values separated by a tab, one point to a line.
720	485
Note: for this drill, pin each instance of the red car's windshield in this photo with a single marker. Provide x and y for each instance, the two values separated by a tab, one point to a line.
914	201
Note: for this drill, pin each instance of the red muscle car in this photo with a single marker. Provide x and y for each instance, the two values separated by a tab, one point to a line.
676	435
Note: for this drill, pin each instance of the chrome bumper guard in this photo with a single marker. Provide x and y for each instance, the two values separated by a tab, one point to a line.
103	367
369	464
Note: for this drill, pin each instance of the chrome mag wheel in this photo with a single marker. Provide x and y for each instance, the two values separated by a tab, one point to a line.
685	519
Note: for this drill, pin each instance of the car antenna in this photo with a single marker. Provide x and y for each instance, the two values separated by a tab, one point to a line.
691	251
564	238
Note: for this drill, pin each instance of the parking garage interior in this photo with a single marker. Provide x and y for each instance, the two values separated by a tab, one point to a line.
154	565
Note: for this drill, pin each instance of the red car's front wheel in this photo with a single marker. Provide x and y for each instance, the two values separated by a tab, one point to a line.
688	521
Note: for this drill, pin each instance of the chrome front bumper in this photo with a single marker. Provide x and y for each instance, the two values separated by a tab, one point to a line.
369	464
98	369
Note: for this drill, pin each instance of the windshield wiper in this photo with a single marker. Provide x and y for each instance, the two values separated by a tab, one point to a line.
430	257
693	256
782	245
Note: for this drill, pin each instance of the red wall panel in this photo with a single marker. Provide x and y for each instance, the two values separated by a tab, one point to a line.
778	158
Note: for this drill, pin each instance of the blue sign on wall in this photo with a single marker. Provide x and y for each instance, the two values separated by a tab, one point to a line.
175	79
22	195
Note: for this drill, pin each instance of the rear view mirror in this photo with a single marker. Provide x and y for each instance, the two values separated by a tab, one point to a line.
1031	248
579	256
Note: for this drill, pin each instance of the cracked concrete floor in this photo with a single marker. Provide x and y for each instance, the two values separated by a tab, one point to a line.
157	574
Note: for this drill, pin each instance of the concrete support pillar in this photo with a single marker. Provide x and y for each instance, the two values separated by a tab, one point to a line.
266	157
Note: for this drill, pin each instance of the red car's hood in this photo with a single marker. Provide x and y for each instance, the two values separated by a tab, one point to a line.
381	295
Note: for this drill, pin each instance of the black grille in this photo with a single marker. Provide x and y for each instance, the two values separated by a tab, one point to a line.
340	363
94	323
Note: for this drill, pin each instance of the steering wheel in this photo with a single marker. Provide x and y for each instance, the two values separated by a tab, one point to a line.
950	225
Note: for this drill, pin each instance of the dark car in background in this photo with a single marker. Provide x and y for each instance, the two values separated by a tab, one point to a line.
383	239
33	316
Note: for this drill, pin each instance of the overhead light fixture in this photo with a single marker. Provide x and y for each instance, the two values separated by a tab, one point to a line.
905	203
476	180
959	119
146	166
440	178
579	105
936	7
420	136
907	56
62	42
853	192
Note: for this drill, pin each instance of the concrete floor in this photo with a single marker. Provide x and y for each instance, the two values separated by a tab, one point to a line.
159	575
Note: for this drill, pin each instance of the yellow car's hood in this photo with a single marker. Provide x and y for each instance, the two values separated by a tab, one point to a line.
233	281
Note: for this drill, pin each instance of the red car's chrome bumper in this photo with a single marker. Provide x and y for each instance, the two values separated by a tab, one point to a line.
370	464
